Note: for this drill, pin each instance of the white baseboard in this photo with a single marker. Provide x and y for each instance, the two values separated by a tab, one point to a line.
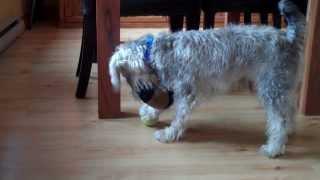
11	35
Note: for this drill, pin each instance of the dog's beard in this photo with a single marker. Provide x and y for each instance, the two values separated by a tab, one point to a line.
142	87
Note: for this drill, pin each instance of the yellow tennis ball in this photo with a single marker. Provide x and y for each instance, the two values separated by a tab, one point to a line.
148	120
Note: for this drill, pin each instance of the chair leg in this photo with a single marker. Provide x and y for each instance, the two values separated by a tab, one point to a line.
79	63
193	20
89	49
209	19
276	20
264	18
247	17
84	77
32	5
176	22
81	50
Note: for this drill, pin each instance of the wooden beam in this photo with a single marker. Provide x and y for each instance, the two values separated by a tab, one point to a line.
108	36
310	102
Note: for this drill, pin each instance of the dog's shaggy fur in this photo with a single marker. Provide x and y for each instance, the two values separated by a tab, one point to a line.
197	64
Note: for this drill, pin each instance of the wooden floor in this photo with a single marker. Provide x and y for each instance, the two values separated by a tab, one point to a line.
47	134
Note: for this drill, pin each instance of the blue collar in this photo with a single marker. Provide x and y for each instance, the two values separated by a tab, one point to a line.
147	53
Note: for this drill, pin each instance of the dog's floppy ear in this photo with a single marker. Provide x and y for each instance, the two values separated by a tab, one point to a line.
114	72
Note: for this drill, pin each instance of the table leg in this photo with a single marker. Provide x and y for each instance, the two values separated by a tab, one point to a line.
108	36
311	91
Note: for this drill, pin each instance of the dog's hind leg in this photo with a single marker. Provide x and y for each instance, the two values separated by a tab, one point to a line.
276	93
184	103
291	110
277	132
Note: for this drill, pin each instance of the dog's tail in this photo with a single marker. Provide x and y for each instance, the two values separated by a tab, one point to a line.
295	19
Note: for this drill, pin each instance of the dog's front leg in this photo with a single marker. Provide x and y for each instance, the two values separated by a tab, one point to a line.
148	113
179	124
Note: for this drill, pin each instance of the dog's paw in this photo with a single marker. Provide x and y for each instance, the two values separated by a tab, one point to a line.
272	151
167	135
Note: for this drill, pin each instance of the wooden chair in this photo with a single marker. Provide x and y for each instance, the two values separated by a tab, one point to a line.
263	7
177	10
88	52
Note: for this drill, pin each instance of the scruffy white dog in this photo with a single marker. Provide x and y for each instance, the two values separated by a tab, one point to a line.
195	64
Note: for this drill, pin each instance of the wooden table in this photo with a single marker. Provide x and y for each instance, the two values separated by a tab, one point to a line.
108	36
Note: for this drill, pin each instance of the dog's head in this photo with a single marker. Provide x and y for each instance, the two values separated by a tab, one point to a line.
129	61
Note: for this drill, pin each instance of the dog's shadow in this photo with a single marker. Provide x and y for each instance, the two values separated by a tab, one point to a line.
213	132
251	137
244	137
223	134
